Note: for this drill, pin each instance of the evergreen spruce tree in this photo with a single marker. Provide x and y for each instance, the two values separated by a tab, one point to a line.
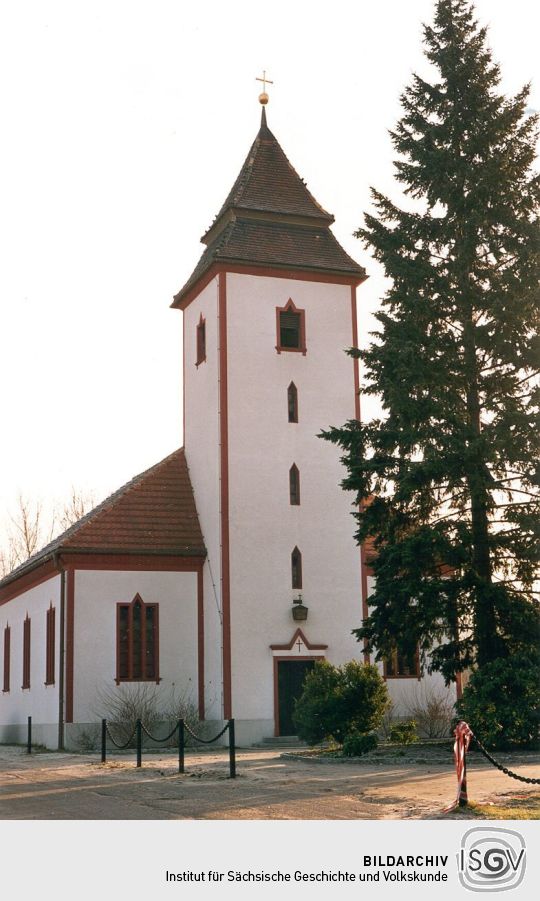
448	480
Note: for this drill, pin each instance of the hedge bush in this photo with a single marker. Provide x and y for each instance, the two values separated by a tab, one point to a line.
339	700
358	743
404	733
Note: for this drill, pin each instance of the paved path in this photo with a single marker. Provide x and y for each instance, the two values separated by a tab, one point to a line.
75	786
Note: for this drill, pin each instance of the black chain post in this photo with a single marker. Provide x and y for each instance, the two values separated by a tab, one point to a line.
232	751
181	745
29	736
139	743
103	741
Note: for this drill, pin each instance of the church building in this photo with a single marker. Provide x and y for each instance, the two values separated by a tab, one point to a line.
220	574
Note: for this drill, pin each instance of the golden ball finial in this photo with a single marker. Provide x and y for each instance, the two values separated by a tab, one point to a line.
263	98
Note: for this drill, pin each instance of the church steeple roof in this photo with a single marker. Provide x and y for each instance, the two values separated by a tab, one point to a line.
269	184
270	219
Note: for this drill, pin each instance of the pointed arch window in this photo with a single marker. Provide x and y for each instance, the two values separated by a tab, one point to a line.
201	341
49	645
137	629
294	485
26	653
296	569
291	328
7	657
292	402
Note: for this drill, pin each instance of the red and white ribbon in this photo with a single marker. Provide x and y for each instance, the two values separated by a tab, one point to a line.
463	734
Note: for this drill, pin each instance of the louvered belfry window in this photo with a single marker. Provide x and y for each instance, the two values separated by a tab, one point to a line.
291	330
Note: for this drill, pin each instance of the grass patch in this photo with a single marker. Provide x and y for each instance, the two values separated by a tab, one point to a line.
516	808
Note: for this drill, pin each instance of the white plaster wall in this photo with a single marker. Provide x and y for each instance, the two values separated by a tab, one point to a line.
264	527
96	596
40	701
202	448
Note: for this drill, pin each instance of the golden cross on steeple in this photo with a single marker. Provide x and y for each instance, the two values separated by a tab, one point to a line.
263	98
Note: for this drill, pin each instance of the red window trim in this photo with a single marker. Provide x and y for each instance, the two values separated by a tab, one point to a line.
294	486
7	658
290	307
50	645
26	652
292	402
415	675
298	568
200	350
130	678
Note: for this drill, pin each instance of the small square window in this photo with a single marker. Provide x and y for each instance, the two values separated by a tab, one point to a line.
402	666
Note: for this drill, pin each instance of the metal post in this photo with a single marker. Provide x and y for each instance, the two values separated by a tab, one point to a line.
103	741
232	751
181	745
29	736
139	743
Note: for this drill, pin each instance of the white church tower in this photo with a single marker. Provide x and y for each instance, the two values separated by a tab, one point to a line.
268	314
222	572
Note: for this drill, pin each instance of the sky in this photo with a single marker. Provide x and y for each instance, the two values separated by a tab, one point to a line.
122	128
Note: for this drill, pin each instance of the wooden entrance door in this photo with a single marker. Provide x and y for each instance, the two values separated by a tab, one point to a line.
291	674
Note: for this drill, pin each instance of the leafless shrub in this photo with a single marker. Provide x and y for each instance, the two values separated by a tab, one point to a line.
123	706
432	709
88	739
180	706
389	721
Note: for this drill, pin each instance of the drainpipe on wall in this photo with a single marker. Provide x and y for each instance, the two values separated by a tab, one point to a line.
61	668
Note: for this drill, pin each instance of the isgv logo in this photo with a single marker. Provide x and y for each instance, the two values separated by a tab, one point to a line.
491	859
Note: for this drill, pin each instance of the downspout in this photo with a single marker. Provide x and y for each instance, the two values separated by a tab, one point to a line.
61	669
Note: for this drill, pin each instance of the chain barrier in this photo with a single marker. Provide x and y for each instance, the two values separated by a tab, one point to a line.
503	769
206	741
464	736
182	728
115	743
158	741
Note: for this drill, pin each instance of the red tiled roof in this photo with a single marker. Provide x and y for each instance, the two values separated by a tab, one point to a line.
267	181
270	219
154	513
253	242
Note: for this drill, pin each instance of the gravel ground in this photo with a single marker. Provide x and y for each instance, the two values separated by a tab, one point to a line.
269	786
